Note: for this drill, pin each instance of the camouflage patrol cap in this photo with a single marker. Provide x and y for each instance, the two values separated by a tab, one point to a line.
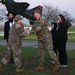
18	17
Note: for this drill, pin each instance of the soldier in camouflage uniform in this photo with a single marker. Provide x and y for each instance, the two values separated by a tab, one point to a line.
15	41
40	27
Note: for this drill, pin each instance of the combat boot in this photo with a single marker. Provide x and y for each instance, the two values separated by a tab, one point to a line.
1	67
19	70
57	66
39	67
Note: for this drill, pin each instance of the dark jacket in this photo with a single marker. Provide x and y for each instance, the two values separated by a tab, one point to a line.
62	32
6	30
68	24
54	31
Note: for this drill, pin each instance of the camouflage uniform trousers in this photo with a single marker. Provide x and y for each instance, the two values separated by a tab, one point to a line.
46	44
13	49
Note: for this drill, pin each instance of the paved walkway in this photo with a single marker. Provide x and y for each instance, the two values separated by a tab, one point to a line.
31	43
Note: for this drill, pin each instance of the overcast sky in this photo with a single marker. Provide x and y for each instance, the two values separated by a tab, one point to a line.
68	5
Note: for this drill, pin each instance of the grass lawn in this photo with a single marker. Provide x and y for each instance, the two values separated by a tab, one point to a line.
71	36
71	29
31	37
30	61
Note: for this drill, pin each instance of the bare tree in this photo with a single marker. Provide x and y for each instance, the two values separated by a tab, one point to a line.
68	16
50	13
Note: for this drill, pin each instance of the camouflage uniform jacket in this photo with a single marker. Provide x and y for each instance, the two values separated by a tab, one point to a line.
16	33
40	27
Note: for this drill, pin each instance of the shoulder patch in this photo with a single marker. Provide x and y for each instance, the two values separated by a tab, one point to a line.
42	20
17	26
